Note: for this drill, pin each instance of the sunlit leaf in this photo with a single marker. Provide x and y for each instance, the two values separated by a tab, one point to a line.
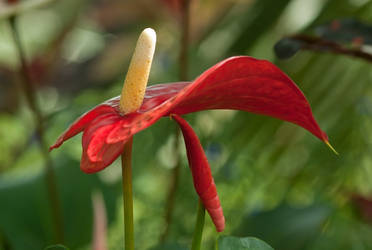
18	8
257	20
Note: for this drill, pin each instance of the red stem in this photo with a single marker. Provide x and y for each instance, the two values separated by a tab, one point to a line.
322	45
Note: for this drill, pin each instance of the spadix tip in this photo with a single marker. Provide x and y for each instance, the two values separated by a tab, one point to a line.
149	34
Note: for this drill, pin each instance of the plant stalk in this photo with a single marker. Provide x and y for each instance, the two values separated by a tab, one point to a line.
171	196
126	166
199	226
185	40
30	95
325	46
183	61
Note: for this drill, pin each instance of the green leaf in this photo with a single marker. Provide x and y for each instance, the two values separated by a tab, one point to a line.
236	243
56	247
286	227
25	221
15	9
257	20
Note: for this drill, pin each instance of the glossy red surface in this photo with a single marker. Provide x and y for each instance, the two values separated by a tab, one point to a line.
240	83
201	174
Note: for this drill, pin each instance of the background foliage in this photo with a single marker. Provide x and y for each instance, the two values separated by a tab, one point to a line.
276	182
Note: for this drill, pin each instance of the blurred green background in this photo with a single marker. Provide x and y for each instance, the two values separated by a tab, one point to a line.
276	181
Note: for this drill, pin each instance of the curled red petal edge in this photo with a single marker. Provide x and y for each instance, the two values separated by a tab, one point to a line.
104	119
201	173
97	154
82	122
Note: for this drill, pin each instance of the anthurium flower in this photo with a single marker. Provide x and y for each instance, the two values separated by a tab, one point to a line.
240	83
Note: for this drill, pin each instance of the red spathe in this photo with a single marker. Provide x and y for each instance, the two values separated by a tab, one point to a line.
240	83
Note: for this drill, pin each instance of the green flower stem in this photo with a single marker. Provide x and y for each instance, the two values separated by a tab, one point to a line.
30	94
126	166
198	233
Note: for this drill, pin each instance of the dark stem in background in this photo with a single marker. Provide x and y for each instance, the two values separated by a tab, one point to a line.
171	196
183	62
126	173
30	95
322	45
